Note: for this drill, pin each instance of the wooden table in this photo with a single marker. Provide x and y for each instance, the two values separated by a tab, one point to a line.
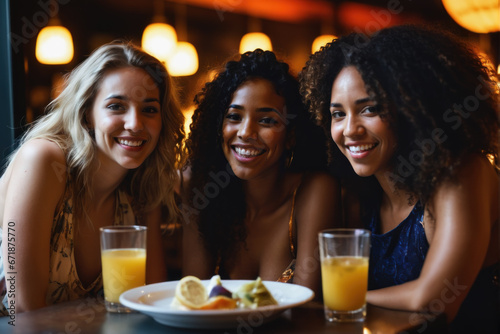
89	316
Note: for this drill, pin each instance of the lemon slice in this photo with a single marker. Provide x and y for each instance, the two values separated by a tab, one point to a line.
191	293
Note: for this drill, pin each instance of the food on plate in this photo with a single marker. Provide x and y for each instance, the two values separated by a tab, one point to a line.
254	294
219	290
191	294
219	303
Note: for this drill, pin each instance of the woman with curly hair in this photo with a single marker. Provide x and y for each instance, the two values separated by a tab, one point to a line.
414	112
105	153
256	190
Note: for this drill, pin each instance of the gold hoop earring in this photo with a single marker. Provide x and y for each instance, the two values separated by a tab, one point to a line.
289	160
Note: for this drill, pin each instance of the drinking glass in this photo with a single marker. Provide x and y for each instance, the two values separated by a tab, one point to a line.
344	255
123	256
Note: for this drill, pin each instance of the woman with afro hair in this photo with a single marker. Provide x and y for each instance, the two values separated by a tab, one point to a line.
414	113
256	191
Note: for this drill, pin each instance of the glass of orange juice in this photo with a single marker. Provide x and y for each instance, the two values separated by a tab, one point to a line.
123	258
344	255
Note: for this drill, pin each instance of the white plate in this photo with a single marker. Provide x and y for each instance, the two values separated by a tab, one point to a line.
155	299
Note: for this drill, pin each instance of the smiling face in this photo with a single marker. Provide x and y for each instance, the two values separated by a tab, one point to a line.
254	129
126	117
362	136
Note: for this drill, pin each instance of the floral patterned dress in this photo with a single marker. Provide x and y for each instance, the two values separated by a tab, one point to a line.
64	283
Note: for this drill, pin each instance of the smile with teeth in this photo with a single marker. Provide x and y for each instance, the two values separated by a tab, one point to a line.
244	152
132	143
361	148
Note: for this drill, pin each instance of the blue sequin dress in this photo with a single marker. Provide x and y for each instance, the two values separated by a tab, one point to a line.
397	257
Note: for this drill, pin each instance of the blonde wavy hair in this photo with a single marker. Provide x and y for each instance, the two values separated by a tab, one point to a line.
151	184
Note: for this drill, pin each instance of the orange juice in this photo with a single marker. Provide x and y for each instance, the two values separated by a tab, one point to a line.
345	282
122	269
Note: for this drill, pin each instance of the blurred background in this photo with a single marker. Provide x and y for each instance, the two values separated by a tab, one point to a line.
212	30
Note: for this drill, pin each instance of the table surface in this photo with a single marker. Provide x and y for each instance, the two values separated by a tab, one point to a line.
89	316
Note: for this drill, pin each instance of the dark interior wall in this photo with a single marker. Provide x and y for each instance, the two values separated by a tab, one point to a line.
6	103
28	86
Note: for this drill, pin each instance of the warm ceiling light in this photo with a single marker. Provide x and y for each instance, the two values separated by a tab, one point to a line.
320	41
480	16
255	40
159	40
184	61
54	45
188	118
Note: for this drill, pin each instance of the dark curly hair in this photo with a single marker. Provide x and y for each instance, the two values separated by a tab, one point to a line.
214	192
436	92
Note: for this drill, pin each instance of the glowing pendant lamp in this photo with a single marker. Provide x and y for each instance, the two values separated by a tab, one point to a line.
320	41
159	38
480	16
184	61
54	44
255	40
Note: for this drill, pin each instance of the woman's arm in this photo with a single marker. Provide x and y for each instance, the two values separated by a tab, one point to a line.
195	257
463	218
156	270
196	260
37	179
318	208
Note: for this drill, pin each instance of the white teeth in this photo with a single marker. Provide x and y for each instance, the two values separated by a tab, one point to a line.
247	152
360	148
133	143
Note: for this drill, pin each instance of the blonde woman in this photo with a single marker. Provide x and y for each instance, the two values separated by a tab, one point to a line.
105	153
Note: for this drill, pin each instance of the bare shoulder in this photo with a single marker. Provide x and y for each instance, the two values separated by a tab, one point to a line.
42	158
319	182
38	167
319	193
40	151
475	187
479	175
474	171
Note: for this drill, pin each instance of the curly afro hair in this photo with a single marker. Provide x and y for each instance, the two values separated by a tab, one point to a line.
221	207
436	92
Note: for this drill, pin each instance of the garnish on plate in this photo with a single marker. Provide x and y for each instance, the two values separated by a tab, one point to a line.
254	294
191	294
